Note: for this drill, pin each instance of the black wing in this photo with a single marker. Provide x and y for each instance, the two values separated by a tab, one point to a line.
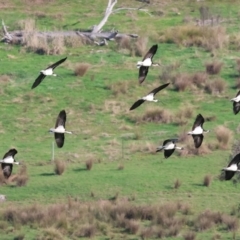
137	104
238	93
12	152
59	138
229	175
143	71
7	169
156	90
235	160
168	153
61	119
173	140
151	52
198	121
38	80
57	63
198	140
236	107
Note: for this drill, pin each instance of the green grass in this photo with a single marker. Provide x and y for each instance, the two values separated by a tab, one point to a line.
26	115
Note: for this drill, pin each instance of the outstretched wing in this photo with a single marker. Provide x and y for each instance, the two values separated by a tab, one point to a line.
38	80
236	107
168	153
12	152
143	71
156	90
198	140
151	52
7	169
61	119
198	121
57	63
235	160
229	175
59	139
137	104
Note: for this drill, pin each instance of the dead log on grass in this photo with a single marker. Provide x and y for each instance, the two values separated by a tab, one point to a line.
95	35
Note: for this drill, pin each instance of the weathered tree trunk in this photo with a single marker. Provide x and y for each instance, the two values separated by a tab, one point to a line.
95	35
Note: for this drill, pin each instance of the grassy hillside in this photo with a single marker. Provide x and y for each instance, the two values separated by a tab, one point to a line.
119	144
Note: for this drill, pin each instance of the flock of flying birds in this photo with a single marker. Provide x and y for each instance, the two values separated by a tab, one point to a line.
168	145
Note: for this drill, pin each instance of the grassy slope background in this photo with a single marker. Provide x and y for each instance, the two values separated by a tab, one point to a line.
104	129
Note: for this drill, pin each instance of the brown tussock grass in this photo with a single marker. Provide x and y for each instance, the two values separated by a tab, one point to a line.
207	180
115	107
81	69
189	236
89	164
216	87
77	219
177	184
231	222
59	167
124	43
213	68
237	84
21	178
182	82
121	87
238	65
3	180
120	166
157	115
199	79
207	220
168	72
5	79
182	116
88	230
224	136
140	47
209	38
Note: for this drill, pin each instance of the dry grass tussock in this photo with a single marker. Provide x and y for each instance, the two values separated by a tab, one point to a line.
3	180
42	44
145	147
168	72
207	180
189	148
115	107
21	178
140	47
224	136
59	167
124	44
189	235
209	38
177	184
183	115
121	87
213	68
154	114
217	86
79	219
81	69
238	66
89	164
186	81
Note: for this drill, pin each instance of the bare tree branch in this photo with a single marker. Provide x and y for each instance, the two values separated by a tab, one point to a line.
108	12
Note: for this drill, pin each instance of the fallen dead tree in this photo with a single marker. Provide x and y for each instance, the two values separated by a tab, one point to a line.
94	35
